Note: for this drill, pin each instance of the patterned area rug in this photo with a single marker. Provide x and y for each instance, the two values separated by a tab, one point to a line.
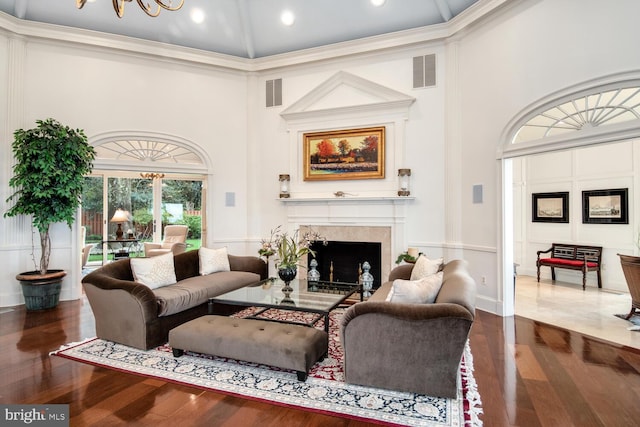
324	391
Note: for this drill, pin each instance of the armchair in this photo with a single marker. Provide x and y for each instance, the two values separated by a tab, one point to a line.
86	249
85	253
175	237
631	269
410	347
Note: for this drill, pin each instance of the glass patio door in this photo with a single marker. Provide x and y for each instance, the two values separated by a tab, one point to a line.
129	207
92	218
181	203
124	206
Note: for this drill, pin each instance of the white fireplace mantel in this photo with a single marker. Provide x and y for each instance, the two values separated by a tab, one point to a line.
371	211
355	219
316	200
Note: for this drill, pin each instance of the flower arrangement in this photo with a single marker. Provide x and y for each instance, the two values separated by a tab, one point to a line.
289	249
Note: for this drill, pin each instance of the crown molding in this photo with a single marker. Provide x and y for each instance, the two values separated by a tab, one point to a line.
140	47
95	39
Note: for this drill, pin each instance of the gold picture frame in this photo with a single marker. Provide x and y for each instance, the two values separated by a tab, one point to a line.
344	154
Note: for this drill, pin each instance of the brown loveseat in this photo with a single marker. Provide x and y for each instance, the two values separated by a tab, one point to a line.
130	313
410	347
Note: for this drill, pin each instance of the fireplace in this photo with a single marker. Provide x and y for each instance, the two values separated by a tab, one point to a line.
343	260
357	240
353	219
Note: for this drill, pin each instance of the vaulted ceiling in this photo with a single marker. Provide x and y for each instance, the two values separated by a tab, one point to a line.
245	28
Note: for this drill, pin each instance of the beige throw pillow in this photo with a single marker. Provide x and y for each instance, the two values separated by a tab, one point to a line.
154	272
213	260
425	267
416	291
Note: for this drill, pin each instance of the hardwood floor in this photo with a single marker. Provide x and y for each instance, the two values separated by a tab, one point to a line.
528	374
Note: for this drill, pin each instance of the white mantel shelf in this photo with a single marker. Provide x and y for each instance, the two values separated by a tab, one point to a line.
345	199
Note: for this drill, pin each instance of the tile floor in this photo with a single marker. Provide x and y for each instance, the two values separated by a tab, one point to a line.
590	312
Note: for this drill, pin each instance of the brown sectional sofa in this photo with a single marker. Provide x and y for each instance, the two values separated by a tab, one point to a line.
410	347
130	313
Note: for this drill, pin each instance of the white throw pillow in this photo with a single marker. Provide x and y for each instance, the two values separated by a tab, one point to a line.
213	260
425	267
416	291
154	272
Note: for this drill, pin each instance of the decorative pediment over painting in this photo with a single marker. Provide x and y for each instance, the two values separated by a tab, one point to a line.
344	94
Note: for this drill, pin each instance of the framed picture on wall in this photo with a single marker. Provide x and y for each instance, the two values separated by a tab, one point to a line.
344	154
550	207
605	206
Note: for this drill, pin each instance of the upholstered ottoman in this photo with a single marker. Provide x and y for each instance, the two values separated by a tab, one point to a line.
283	345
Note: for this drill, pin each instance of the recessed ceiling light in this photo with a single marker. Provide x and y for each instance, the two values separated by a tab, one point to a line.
287	18
197	15
377	3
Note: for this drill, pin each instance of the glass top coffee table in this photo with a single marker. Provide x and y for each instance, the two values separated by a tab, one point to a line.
308	297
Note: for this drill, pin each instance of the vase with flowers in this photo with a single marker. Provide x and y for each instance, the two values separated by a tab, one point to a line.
288	250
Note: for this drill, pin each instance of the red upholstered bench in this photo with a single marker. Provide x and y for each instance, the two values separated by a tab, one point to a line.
572	257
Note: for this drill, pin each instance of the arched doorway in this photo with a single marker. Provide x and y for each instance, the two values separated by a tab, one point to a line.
142	182
601	111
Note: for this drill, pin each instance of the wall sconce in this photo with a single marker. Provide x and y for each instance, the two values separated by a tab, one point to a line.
285	180
119	217
404	182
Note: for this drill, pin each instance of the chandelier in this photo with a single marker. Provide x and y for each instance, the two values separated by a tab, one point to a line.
118	6
152	175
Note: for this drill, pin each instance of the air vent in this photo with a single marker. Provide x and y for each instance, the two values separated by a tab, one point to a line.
424	71
477	193
274	92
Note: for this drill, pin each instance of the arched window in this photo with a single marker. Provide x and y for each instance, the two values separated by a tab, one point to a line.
595	109
156	180
147	151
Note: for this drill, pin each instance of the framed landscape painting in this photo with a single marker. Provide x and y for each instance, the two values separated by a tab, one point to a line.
605	206
344	154
550	207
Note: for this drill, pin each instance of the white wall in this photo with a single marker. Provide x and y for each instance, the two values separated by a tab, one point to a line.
529	51
104	91
422	149
223	112
4	94
608	166
492	72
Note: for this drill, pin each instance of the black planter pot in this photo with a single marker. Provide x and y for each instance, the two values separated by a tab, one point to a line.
287	274
41	291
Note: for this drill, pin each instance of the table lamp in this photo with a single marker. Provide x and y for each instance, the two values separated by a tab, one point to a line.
119	217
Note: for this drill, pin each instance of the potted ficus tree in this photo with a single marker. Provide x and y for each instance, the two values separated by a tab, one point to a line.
51	162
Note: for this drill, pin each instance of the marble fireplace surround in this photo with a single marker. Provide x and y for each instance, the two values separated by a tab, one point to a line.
374	219
370	234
